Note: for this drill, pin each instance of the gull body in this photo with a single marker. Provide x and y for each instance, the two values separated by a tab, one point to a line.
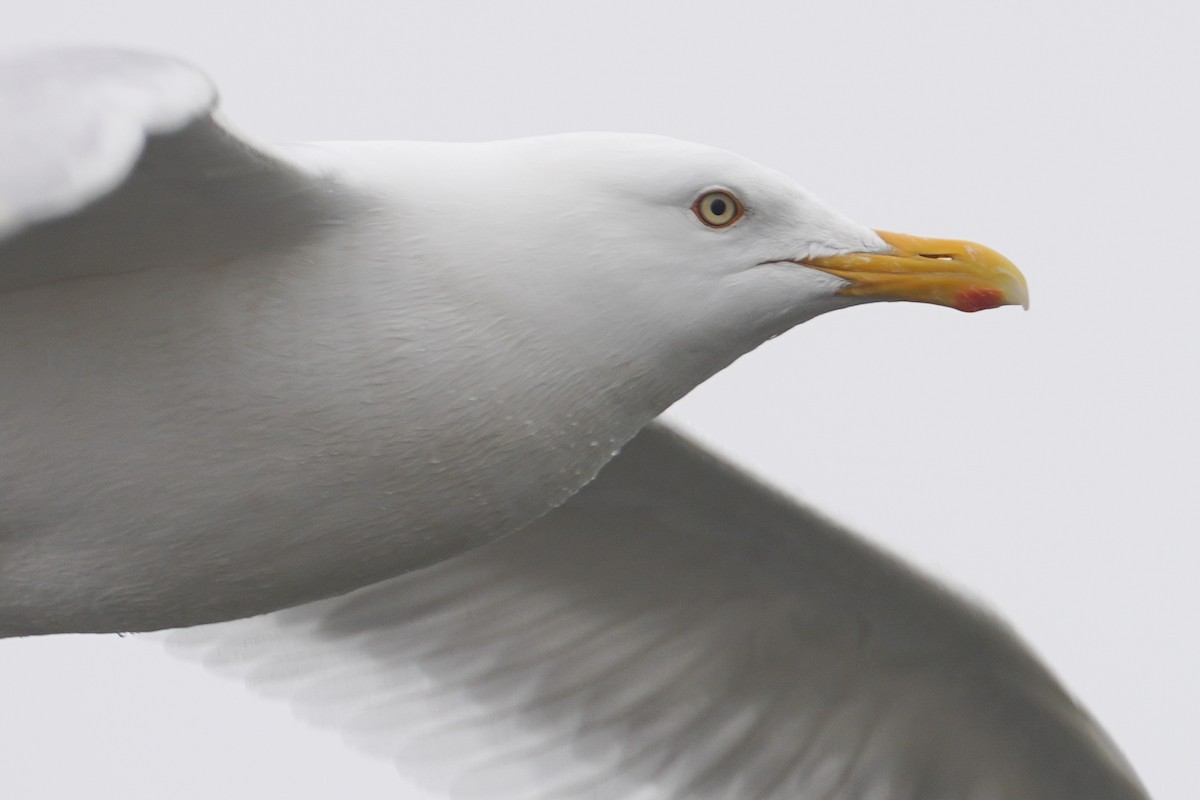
240	379
461	339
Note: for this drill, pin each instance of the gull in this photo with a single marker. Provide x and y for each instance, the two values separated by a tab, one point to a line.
369	387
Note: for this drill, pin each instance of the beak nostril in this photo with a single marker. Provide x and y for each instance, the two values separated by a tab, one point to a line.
938	256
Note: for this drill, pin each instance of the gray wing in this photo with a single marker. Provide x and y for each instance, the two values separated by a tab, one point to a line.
678	631
112	161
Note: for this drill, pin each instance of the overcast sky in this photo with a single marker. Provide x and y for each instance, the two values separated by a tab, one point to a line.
1043	462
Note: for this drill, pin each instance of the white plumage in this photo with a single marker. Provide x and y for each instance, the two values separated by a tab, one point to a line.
301	371
242	380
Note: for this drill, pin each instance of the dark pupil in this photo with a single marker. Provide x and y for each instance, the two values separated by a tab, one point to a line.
717	207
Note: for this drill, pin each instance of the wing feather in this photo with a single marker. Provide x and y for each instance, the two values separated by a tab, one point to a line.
678	631
112	161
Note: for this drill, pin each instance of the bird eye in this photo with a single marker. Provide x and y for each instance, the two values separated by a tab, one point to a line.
718	209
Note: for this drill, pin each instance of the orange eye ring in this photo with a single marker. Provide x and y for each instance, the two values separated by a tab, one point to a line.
718	208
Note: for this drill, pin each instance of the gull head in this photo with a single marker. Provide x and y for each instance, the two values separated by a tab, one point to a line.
642	232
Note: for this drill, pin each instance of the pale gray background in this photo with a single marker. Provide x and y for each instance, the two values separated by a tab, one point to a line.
1045	462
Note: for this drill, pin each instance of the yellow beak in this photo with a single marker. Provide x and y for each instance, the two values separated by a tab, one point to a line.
962	275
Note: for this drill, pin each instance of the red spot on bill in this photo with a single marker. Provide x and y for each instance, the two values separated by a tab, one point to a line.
978	299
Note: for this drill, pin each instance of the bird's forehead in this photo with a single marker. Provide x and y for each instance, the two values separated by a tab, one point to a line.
657	168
